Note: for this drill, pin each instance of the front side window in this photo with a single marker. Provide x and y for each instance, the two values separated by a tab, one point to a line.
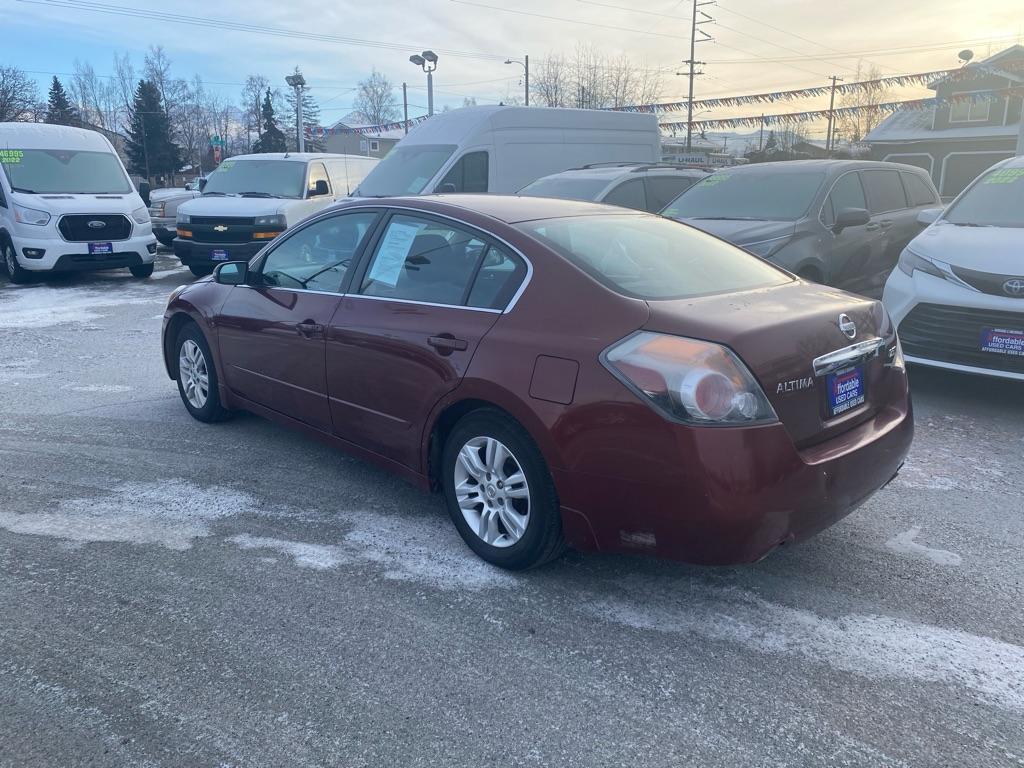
423	260
650	257
63	171
258	178
405	170
995	200
884	191
760	194
317	172
629	194
847	193
317	257
469	174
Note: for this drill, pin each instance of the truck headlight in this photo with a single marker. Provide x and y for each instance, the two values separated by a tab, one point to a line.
277	221
183	218
31	216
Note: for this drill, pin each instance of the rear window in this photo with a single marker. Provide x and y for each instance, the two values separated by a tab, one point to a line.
919	192
567	187
649	257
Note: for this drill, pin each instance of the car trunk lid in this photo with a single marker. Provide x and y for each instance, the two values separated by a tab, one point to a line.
789	337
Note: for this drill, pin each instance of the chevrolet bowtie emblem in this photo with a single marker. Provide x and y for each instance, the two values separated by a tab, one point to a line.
220	228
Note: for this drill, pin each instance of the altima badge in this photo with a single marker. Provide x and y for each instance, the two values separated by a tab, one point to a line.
847	326
1014	287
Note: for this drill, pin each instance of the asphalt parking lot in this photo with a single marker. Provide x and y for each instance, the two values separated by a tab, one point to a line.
178	594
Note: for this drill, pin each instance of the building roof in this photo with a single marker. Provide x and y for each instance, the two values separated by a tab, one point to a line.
916	125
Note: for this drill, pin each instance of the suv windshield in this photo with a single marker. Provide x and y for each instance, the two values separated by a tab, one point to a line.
405	170
648	257
277	178
997	200
764	194
64	171
567	187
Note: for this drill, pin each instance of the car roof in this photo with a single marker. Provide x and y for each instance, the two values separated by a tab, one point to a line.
611	171
827	165
298	157
509	209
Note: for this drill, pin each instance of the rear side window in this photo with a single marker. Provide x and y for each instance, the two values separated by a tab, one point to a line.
629	194
884	190
847	193
650	257
662	190
497	280
469	174
918	191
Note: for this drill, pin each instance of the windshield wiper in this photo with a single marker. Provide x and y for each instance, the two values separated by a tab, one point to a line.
727	218
256	194
968	224
217	194
22	189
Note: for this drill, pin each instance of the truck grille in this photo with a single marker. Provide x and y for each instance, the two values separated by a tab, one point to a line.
74	227
222	229
953	335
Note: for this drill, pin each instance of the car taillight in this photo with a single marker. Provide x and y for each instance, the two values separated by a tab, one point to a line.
689	380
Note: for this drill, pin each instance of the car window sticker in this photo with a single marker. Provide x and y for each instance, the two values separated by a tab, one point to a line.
393	250
1004	176
11	156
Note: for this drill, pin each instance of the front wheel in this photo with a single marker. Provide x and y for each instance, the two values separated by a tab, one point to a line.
141	270
14	269
499	492
197	376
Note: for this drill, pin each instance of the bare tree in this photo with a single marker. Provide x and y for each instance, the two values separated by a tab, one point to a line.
124	84
854	127
96	97
551	81
376	100
18	95
592	80
252	106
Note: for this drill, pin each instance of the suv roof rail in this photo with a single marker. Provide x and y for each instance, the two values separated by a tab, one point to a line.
610	164
671	166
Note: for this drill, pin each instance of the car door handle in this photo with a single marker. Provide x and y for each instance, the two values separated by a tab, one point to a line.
309	329
445	343
871	227
886	223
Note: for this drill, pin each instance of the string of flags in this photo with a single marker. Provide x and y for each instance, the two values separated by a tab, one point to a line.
791	118
319	131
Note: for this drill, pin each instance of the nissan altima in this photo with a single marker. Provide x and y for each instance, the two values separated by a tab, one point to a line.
564	373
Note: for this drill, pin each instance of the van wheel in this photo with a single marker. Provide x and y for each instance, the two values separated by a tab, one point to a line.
14	269
201	271
499	492
141	270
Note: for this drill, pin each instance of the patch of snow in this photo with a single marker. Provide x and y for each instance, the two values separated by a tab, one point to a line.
877	647
305	555
947	456
44	306
100	388
904	544
170	513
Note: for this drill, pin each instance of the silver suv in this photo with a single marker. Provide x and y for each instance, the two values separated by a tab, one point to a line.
643	186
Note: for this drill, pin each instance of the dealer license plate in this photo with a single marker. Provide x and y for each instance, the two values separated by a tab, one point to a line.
845	390
101	249
1003	341
219	255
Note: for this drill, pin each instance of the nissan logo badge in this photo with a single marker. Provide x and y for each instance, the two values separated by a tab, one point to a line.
1014	287
847	327
97	224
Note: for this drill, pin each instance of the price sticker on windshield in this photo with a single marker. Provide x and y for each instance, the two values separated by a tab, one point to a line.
714	179
11	156
1004	176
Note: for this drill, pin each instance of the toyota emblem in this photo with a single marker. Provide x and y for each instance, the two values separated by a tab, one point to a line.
96	224
847	326
1014	286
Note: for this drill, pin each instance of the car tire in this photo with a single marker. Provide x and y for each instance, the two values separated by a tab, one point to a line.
141	270
15	271
195	369
515	524
201	271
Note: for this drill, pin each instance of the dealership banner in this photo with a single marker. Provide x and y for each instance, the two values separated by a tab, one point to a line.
318	131
791	118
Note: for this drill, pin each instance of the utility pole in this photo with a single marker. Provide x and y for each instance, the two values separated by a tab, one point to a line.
831	113
1020	133
526	79
693	63
405	108
760	137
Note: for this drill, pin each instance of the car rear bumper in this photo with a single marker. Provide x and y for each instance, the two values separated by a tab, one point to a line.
197	254
738	493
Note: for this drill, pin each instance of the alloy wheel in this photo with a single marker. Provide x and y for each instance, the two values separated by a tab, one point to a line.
9	260
492	491
194	374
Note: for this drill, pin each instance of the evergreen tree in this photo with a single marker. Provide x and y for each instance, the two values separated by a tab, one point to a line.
271	139
59	109
772	144
149	147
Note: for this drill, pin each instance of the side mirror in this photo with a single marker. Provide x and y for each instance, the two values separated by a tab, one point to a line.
231	273
446	189
319	189
202	183
928	216
850	217
144	190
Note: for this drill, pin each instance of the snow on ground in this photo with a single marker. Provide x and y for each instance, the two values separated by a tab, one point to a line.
904	544
100	388
305	555
43	306
867	645
947	456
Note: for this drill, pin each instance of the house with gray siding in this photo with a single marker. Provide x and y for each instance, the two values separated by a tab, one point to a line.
366	144
957	141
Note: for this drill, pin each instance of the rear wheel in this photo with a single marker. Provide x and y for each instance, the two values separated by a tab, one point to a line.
197	376
201	271
499	492
14	269
141	270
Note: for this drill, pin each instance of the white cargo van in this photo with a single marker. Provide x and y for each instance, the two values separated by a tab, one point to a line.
67	204
502	149
251	199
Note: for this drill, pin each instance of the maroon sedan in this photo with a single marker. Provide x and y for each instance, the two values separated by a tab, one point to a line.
564	373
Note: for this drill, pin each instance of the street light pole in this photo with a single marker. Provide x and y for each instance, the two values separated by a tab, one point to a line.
428	62
525	64
298	82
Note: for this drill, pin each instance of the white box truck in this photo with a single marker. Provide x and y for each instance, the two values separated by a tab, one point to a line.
500	150
67	204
